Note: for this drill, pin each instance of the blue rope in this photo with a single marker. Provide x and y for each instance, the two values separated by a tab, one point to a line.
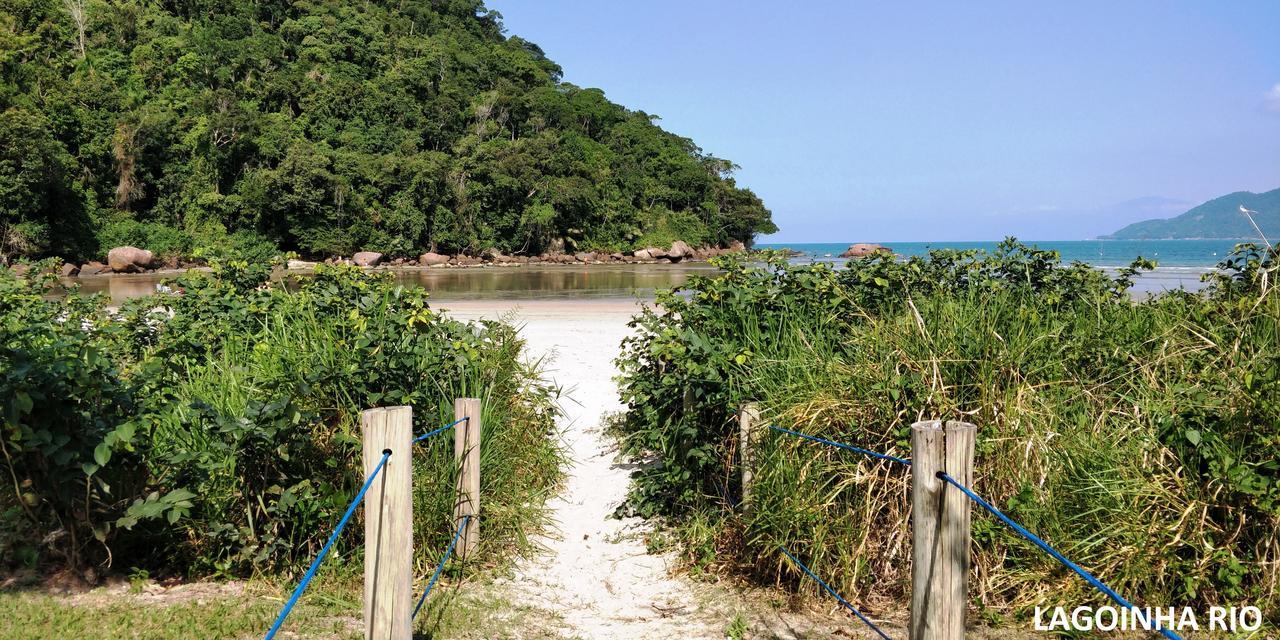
324	551
1097	584
440	567
882	456
834	594
440	430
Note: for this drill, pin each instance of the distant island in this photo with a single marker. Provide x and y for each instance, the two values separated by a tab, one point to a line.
1216	219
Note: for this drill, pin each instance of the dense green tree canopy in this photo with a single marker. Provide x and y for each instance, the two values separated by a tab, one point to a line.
327	127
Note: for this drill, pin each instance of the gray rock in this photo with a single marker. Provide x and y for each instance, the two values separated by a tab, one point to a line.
431	259
94	269
129	259
367	259
299	265
493	255
643	254
679	251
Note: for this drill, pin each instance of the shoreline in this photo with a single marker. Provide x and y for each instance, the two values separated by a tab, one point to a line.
532	282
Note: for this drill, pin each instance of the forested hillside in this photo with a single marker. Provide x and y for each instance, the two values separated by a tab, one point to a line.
1217	218
327	127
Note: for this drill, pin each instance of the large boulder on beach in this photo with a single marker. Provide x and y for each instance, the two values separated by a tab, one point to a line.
367	259
431	259
129	259
864	249
679	250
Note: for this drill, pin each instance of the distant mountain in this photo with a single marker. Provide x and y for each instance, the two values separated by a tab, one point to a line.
1219	218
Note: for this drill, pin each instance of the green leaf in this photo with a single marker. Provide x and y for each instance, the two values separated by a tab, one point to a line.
1193	436
102	454
23	402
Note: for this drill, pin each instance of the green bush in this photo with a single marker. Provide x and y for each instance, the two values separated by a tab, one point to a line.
663	227
216	429
163	240
1136	437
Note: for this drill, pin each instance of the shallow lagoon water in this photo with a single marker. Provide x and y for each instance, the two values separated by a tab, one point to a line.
567	282
628	281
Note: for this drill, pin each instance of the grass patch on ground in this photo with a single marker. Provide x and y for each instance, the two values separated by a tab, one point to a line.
203	610
331	609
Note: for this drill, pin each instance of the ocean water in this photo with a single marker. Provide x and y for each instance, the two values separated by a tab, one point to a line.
1180	263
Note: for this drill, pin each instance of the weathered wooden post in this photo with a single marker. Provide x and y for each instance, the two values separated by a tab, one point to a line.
927	451
939	529
748	424
466	450
388	524
960	438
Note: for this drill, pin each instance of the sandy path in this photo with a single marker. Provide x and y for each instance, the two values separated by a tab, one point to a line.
596	573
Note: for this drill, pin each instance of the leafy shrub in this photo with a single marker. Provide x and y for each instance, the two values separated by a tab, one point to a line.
663	227
64	401
162	240
235	415
1103	422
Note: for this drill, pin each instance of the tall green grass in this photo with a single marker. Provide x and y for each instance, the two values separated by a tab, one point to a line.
1139	438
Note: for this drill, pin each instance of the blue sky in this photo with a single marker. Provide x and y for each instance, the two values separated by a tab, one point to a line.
945	120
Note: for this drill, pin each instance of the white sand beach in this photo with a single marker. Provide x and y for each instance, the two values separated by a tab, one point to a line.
596	579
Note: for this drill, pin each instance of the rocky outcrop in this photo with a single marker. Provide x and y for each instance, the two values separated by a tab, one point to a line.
294	265
68	270
129	259
679	251
94	269
431	259
367	259
736	246
864	249
492	254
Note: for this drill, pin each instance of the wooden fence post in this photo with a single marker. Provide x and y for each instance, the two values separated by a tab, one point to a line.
955	526
388	524
939	529
466	450
748	425
927	459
